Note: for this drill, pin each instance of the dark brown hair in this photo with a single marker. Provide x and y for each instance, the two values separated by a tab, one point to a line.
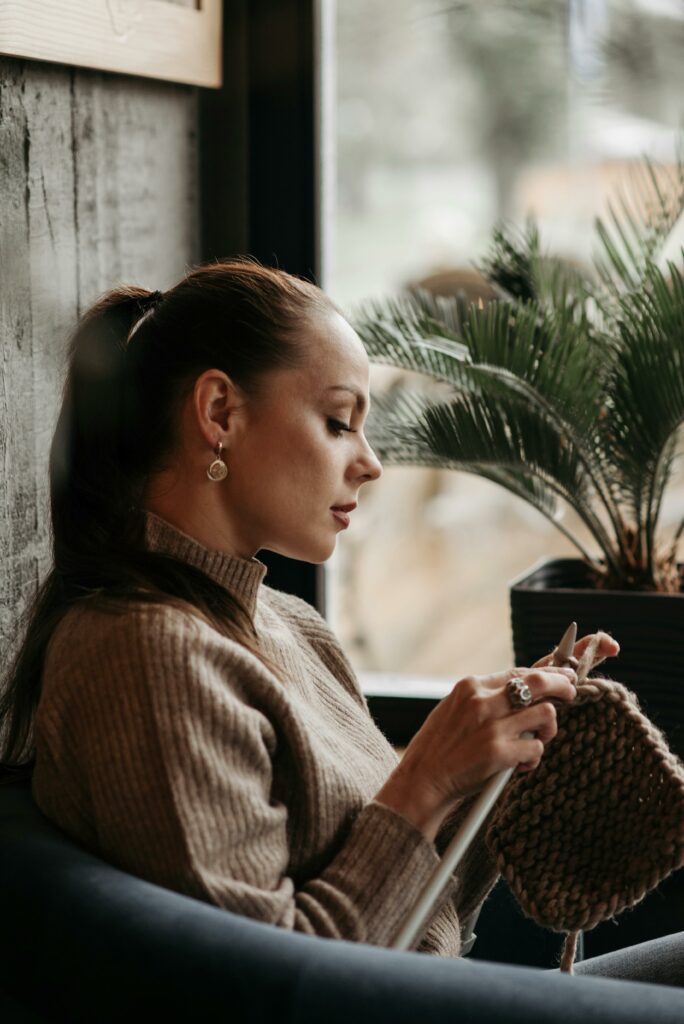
110	438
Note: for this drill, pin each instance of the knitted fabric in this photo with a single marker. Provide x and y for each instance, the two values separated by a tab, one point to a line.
600	822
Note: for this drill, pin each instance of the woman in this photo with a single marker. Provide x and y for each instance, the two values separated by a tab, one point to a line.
183	720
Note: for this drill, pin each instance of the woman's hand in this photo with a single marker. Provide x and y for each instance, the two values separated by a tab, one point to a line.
471	734
607	648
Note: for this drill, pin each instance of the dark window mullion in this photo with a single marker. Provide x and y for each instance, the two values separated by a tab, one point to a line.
259	182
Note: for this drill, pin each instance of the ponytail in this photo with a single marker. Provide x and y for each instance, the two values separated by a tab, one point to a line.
111	438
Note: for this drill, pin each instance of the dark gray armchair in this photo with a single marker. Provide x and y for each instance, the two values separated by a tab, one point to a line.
82	941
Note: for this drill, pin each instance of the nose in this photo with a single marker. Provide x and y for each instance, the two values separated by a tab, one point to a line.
371	467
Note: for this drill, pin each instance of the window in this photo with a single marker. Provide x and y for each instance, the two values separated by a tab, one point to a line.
451	116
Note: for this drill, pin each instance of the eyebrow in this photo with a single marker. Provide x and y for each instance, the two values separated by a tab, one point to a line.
360	399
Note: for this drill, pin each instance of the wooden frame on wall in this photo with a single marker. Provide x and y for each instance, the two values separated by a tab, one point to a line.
153	38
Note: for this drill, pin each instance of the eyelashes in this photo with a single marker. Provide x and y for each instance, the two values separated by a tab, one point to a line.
337	428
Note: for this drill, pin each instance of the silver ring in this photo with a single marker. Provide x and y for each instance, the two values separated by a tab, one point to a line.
518	693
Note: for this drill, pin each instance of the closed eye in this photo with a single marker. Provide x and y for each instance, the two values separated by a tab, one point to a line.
336	427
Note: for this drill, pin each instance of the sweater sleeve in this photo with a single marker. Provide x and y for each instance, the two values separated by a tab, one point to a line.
178	756
477	873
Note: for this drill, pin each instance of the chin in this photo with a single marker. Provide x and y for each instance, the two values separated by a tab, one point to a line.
314	553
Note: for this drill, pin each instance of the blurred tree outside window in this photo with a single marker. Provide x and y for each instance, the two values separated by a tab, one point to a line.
452	115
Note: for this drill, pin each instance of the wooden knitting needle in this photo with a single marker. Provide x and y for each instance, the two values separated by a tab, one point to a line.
417	917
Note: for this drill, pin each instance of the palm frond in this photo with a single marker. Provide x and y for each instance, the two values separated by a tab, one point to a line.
523	273
502	436
638	224
392	329
554	361
648	394
510	263
534	492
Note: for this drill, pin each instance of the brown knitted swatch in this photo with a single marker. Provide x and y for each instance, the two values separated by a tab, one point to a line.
600	822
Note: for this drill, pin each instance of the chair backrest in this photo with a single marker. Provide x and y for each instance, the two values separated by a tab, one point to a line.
81	941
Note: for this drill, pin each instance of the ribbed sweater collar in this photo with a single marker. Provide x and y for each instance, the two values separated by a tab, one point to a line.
241	576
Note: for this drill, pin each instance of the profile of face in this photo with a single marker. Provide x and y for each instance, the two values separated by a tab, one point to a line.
295	450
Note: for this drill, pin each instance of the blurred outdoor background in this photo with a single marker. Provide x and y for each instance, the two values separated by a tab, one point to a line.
453	115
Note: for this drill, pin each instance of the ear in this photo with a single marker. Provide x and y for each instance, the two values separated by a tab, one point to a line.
217	401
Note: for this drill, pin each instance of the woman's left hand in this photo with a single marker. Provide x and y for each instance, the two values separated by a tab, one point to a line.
607	648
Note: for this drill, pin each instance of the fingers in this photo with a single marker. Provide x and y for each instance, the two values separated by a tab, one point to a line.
520	739
530	755
607	648
539	719
546	660
543	684
481	706
533	676
484	698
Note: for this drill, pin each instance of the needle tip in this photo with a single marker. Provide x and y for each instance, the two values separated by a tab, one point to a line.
567	644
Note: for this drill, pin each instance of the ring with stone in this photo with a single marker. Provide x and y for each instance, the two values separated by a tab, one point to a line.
518	693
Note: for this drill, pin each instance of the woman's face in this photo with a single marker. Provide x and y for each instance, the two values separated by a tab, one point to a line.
298	449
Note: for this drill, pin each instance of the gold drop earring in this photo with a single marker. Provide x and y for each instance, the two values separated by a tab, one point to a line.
218	469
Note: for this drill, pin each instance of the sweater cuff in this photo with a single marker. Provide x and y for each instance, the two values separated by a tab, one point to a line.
384	866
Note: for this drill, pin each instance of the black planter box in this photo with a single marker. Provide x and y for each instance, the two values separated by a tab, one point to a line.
650	630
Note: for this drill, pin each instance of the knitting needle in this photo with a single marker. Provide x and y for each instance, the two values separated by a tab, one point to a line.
471	824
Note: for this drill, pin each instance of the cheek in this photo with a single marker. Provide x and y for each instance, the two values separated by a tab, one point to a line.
308	464
293	461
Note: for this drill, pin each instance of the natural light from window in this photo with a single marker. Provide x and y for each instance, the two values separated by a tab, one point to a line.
451	116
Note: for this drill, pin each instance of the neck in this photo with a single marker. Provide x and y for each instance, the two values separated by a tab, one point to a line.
204	518
242	576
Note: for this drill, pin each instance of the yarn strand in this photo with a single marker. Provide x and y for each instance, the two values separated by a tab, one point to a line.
569	952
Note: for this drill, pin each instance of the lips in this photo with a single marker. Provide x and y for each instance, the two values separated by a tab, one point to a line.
344	508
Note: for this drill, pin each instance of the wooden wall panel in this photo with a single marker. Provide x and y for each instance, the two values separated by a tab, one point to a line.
98	186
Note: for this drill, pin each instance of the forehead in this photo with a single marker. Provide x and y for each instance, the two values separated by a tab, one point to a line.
335	360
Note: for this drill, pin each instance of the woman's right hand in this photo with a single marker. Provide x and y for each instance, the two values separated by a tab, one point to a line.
469	736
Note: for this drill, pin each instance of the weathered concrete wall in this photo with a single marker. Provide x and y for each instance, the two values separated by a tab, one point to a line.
98	187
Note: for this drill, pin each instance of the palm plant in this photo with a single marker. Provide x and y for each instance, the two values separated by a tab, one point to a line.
566	389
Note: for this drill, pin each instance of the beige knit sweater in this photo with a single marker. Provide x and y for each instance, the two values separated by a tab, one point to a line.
169	750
